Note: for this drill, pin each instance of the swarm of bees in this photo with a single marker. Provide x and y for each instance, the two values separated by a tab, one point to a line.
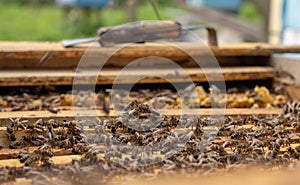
63	135
259	97
143	141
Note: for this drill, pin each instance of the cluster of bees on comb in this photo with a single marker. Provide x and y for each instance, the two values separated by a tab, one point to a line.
143	142
259	97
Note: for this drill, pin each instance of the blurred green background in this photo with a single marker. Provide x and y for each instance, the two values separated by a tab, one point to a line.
42	20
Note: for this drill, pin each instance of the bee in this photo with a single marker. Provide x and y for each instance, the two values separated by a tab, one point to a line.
169	165
164	150
54	109
131	105
143	115
135	152
64	144
38	128
171	153
139	138
17	108
18	124
133	113
229	144
23	155
12	137
286	155
117	154
9	99
293	153
283	141
276	148
50	132
47	153
154	112
124	138
32	160
51	122
103	99
37	140
237	134
80	148
297	148
108	141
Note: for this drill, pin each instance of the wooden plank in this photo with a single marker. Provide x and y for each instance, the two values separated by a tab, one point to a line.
293	91
6	153
67	159
294	137
71	114
108	76
58	160
39	49
21	55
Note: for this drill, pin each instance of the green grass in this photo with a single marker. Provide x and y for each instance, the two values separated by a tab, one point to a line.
46	23
20	23
249	12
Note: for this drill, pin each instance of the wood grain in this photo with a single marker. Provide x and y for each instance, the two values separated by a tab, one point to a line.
59	160
71	114
131	76
22	55
33	49
6	153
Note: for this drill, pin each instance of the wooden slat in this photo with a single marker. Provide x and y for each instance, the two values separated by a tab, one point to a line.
71	114
59	160
293	91
20	55
67	159
7	153
108	76
38	49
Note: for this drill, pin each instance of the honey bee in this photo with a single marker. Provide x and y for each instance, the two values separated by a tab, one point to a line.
135	152
32	160
23	155
54	109
103	99
18	124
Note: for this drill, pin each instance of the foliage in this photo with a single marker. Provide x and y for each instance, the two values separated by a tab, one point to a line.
46	23
249	12
26	2
159	2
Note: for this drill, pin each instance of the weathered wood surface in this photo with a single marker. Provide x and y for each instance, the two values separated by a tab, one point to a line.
38	49
6	153
59	160
71	114
21	55
108	76
67	159
294	91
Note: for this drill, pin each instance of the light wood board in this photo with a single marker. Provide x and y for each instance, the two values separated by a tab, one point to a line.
131	76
